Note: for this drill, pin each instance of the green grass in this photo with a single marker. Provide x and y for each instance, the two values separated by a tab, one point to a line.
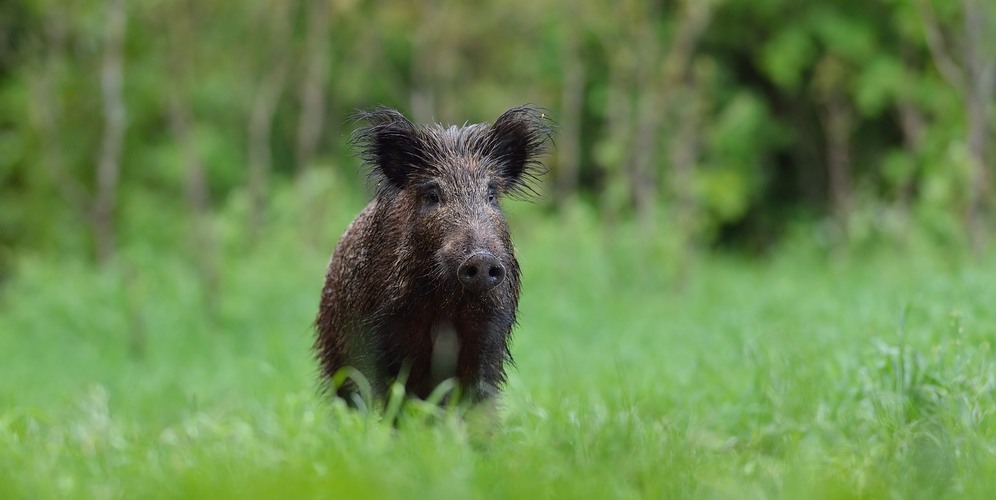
639	374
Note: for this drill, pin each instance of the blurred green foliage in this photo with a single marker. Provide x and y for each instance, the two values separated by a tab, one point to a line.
726	121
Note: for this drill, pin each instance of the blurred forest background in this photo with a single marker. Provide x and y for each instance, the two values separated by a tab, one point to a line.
727	123
757	267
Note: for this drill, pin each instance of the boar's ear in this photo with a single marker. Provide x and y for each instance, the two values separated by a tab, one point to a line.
391	145
515	142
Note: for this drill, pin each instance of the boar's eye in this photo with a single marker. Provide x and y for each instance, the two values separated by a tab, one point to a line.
492	195
431	195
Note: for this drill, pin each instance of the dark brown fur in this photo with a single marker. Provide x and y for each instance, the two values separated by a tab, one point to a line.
393	306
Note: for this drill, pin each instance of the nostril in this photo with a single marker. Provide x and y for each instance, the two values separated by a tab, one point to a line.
496	272
481	272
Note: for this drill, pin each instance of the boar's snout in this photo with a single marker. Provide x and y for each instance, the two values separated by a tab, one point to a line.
481	272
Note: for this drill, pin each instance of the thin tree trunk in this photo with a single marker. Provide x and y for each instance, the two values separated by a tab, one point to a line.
837	130
695	18
202	240
180	24
684	154
684	115
685	145
980	65
912	123
260	125
316	77
109	163
939	52
181	61
643	175
836	117
572	109
976	80
47	106
648	117
615	194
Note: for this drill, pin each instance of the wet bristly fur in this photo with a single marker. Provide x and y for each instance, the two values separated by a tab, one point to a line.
392	307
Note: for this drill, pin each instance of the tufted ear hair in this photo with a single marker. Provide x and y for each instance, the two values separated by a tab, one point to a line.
515	142
390	145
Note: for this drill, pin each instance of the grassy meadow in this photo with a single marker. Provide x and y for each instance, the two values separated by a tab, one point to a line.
640	372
